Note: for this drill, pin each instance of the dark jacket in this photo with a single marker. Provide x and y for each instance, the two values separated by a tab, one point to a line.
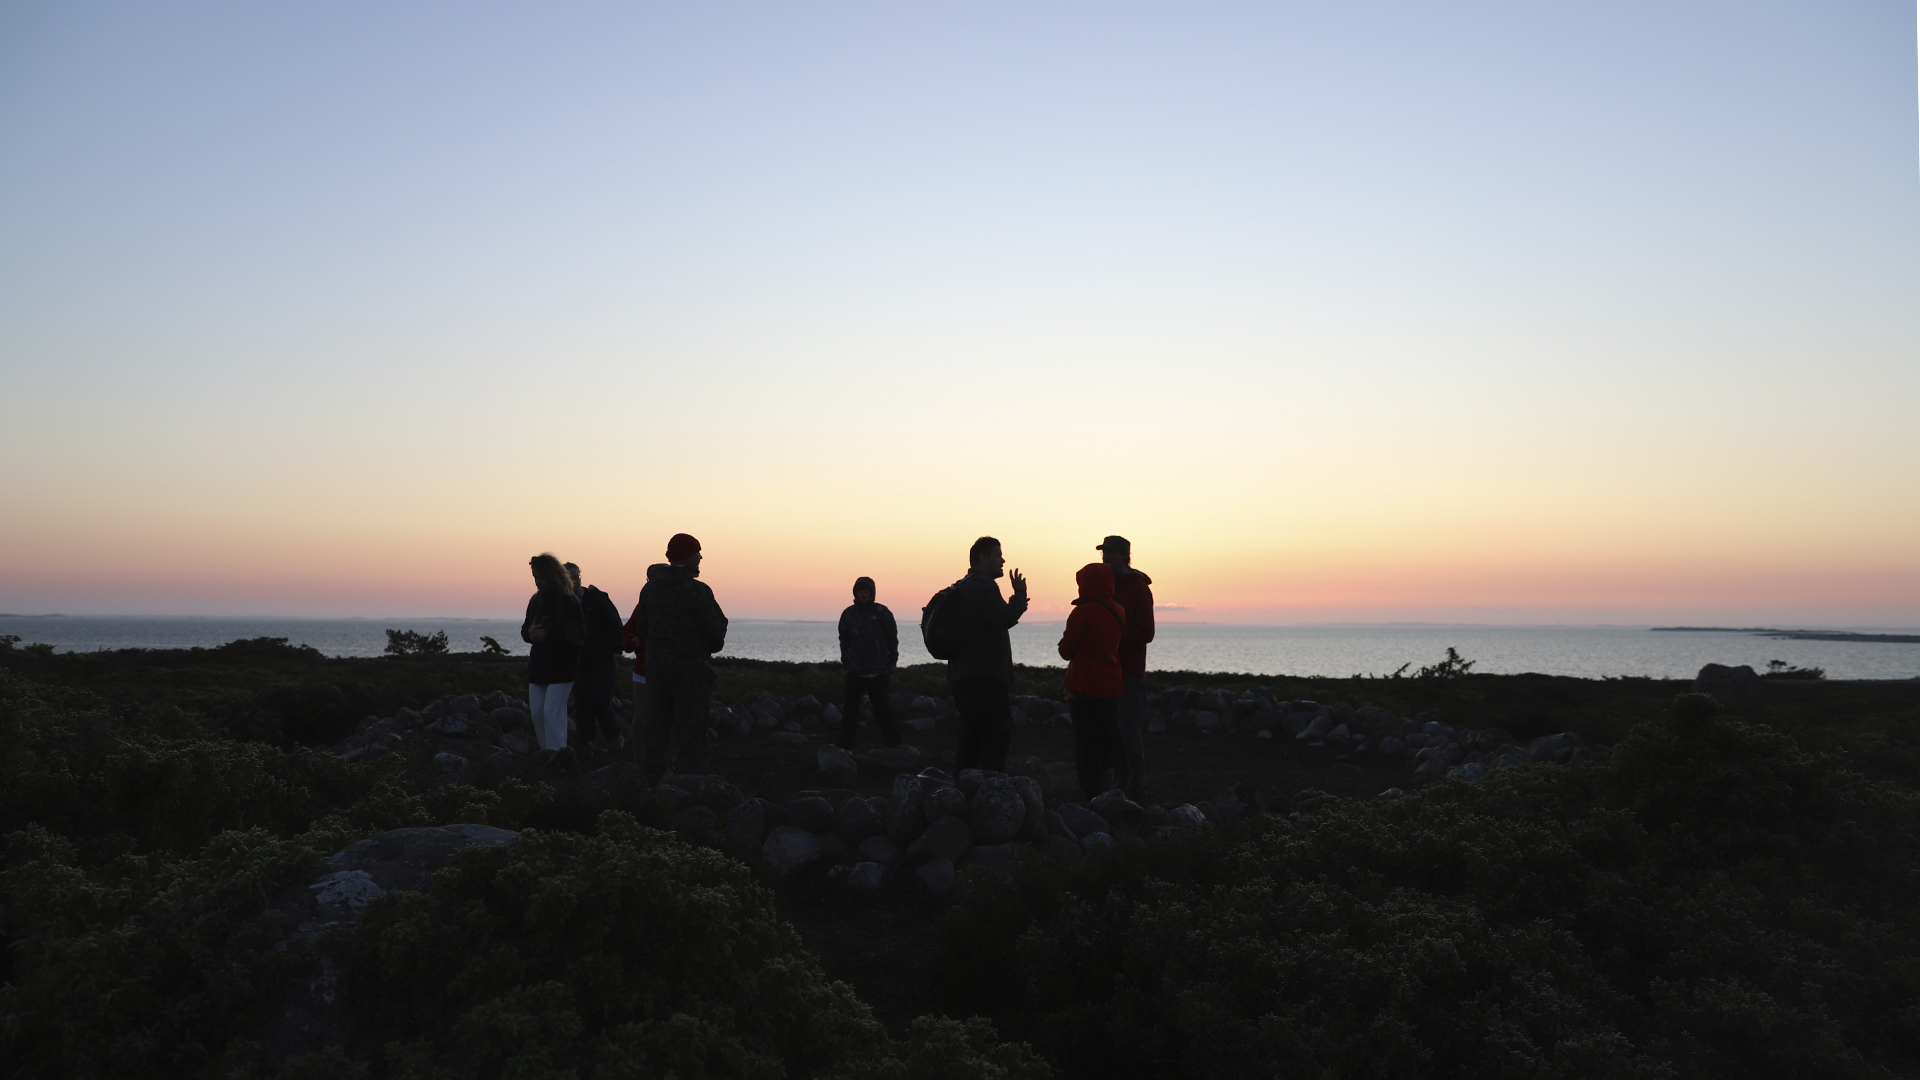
1091	645
557	659
980	630
869	640
634	640
679	620
603	627
1134	591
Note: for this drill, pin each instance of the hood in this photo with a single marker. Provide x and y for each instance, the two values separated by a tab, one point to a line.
664	572
863	583
1095	581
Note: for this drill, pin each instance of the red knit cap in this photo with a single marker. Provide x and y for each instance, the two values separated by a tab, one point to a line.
682	546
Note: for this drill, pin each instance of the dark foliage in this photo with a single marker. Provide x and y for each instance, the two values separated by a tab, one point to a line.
414	643
1713	901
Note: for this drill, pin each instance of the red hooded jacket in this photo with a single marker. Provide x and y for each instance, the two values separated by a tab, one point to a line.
1091	645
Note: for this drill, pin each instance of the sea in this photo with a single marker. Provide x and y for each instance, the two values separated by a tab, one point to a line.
1338	650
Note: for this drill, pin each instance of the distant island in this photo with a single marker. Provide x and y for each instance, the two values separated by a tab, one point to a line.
1796	635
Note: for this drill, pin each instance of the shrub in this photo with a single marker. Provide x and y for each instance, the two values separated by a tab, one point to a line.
1711	902
414	643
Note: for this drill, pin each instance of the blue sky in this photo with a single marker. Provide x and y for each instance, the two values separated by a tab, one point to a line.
1381	310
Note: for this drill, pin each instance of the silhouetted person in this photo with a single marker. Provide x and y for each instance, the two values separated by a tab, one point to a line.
981	671
869	650
1134	591
555	628
682	627
1091	648
593	690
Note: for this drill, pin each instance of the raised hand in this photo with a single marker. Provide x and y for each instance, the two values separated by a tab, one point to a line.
1019	582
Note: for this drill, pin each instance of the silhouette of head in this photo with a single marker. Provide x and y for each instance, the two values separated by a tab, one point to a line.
863	590
549	575
1115	551
985	556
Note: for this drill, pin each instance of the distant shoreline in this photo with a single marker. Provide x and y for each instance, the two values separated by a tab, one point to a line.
1794	635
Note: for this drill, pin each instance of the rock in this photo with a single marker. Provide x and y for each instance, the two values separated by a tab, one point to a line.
881	850
1206	720
517	742
788	848
994	856
969	780
1728	683
1033	825
1391	793
620	772
1094	840
906	813
1154	817
935	876
1057	827
1186	816
996	811
408	718
1238	800
1115	806
1472	770
866	876
890	759
946	800
1032	768
350	889
1316	728
792	725
1554	747
921	723
508	718
838	796
1391	745
748	821
931	773
451	727
449	768
1081	821
464	704
855	821
837	762
944	839
924	706
811	813
788	738
696	817
830	714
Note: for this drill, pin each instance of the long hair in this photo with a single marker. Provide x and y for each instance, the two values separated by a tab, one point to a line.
551	576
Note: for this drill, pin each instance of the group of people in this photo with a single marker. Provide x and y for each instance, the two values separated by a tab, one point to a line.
577	637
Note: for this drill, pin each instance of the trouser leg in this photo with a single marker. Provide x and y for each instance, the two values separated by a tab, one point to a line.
984	731
1094	720
692	703
1130	740
851	692
593	701
660	713
536	712
878	691
551	723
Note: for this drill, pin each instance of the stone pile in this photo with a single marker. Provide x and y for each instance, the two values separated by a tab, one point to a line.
800	719
452	734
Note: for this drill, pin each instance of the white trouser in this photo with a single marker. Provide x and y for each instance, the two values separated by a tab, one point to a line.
549	704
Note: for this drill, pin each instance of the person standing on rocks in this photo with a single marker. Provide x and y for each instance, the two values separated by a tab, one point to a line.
555	627
593	691
1134	591
1091	648
869	650
980	674
681	626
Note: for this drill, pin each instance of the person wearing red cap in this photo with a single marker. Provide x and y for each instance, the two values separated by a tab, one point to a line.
681	626
1091	648
1134	591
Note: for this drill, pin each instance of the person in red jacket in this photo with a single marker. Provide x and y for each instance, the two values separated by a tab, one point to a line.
1091	648
1134	591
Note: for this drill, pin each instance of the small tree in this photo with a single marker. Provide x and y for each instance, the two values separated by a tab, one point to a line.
414	643
491	647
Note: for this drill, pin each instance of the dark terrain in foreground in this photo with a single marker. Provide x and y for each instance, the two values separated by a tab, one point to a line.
1734	892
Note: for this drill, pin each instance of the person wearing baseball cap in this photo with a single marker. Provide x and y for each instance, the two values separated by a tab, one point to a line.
681	626
1134	591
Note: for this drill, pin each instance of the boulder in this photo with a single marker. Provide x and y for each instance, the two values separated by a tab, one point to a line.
788	738
935	876
620	772
996	811
1391	793
748	821
969	780
1559	747
881	850
946	800
993	856
837	762
1238	800
1155	817
811	813
906	813
1094	840
789	848
1033	768
1115	806
855	821
508	717
1081	821
866	876
1728	683
1033	827
1316	728
517	742
1206	720
1186	816
1391	746
449	768
696	817
944	839
451	727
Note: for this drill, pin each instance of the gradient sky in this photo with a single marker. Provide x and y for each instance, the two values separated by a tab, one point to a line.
1527	312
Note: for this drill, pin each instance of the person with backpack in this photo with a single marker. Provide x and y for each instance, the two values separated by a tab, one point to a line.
1091	648
681	626
555	628
966	625
869	650
1134	591
593	691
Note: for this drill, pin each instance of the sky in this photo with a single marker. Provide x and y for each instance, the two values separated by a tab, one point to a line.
1480	312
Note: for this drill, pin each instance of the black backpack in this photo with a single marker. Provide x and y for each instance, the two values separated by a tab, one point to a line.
937	630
